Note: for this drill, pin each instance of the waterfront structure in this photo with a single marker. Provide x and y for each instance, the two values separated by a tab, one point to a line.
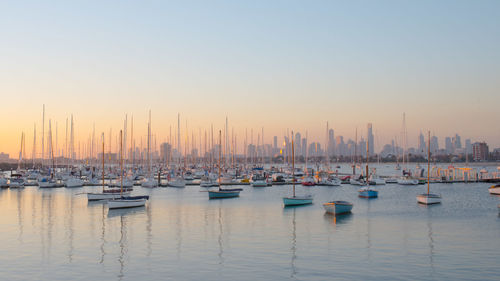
480	151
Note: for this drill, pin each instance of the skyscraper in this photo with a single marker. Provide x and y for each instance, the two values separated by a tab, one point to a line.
370	139
422	147
331	143
448	145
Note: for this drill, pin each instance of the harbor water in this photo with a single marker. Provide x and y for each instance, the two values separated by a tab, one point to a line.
55	234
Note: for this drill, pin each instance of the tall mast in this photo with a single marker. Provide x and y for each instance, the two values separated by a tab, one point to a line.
293	166
428	161
220	151
103	162
121	163
179	135
367	153
34	145
43	134
132	143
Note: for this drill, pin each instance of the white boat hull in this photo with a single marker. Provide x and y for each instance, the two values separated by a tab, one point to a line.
259	184
428	199
105	196
408	181
117	204
494	190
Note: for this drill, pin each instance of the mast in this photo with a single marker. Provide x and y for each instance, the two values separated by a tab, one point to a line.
121	163
43	134
293	166
103	162
33	156
220	150
428	161
367	153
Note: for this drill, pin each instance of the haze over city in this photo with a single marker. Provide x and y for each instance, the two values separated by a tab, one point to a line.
279	65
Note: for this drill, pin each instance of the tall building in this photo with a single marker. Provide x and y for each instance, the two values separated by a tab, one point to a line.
422	147
331	143
457	143
362	148
275	142
480	151
165	151
297	143
468	146
341	150
370	139
434	144
304	147
448	145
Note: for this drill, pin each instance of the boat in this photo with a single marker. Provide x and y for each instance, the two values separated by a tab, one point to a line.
338	207
16	181
308	181
178	182
45	182
494	189
3	182
330	182
407	181
259	181
376	180
295	200
428	198
391	180
149	183
353	181
127	201
206	181
73	182
226	192
367	191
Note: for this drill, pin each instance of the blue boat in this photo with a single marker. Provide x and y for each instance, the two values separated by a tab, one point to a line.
297	200
224	193
367	193
338	207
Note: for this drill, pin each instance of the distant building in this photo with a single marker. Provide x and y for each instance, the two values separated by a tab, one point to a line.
331	143
165	152
480	151
422	147
434	144
468	146
4	157
456	142
370	139
340	145
448	145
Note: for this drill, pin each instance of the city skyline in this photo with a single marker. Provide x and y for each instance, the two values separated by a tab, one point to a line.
282	65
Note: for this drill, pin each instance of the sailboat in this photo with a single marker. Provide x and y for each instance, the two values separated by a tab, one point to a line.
106	194
428	198
129	201
150	182
223	193
367	191
295	200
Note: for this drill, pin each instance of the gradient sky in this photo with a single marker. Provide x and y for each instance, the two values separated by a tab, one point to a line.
277	64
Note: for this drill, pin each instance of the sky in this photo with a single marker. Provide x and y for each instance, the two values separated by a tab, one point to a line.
271	64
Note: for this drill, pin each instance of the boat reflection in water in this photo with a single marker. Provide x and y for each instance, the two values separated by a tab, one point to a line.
338	219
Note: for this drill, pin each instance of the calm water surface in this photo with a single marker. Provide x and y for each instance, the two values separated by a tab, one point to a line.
56	235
